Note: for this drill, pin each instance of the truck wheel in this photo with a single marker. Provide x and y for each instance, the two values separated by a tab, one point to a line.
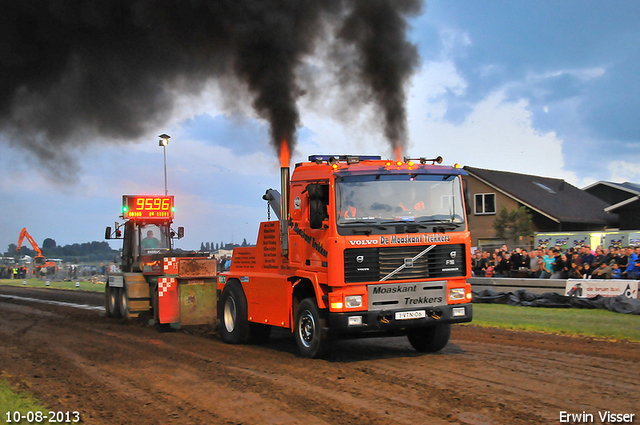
112	294
430	339
310	330
234	325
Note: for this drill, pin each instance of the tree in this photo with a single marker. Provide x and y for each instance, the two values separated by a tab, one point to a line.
511	225
11	250
49	244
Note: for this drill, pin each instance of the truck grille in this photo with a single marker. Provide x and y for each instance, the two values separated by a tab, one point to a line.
375	264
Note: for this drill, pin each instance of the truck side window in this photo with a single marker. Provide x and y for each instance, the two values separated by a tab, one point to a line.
318	202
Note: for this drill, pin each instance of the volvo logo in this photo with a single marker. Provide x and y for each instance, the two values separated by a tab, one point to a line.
408	262
452	254
360	258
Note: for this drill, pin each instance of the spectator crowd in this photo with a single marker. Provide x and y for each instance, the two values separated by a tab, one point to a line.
555	263
13	272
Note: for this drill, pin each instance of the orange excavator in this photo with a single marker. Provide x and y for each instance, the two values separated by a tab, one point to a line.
39	260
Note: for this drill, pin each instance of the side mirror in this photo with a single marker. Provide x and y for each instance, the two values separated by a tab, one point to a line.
317	205
180	232
107	233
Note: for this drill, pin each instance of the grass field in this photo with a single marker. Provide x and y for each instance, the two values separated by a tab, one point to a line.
566	321
36	283
12	400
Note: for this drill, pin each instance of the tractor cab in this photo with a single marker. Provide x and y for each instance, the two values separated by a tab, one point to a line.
147	237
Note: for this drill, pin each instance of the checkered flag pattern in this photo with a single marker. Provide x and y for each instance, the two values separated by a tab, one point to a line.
171	265
164	284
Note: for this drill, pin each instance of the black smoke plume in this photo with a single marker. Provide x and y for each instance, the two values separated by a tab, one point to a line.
76	71
385	60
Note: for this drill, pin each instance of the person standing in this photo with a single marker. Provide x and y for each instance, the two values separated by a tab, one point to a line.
546	265
477	268
633	269
557	265
534	263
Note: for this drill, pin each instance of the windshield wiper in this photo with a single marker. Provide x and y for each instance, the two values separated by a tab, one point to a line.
368	223
443	225
426	224
359	229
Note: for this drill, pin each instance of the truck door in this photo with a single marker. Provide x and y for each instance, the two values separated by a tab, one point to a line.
299	209
309	224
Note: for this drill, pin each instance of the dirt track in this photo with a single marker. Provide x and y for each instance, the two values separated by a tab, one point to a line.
128	373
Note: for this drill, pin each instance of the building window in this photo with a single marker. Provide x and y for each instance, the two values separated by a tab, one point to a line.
485	203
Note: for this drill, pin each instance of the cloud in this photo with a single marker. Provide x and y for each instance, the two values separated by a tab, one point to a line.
575	68
496	134
624	171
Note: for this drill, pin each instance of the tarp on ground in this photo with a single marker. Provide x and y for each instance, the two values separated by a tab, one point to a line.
521	297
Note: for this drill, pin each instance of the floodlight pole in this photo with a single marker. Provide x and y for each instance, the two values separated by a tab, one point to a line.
164	141
166	191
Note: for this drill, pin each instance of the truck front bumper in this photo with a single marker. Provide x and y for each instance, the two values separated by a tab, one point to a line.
387	321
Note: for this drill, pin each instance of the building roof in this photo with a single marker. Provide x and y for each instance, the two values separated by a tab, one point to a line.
553	198
632	188
627	193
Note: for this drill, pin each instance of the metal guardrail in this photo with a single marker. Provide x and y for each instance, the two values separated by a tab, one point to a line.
509	284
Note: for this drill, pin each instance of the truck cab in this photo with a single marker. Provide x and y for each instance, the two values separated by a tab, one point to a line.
371	247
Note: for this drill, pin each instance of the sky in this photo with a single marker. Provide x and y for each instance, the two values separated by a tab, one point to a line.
549	88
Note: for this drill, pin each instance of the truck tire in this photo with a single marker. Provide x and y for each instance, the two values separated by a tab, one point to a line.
112	295
234	324
431	338
310	330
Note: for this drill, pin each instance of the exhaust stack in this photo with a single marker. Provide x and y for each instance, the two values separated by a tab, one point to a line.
284	215
285	157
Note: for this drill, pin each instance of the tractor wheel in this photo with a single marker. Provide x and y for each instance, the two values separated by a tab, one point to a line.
430	339
234	324
112	295
310	330
123	301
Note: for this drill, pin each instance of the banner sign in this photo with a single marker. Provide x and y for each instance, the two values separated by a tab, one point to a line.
588	288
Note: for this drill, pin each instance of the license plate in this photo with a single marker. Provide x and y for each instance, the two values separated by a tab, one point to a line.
407	315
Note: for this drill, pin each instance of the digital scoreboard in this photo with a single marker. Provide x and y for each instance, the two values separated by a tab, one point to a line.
148	207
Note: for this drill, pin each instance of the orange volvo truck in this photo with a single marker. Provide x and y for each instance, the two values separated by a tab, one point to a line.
362	247
172	290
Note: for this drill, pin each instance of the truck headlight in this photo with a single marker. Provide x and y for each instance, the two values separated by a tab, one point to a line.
355	320
456	294
352	301
458	312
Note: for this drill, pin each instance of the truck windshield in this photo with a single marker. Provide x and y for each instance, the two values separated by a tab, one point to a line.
387	199
153	239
